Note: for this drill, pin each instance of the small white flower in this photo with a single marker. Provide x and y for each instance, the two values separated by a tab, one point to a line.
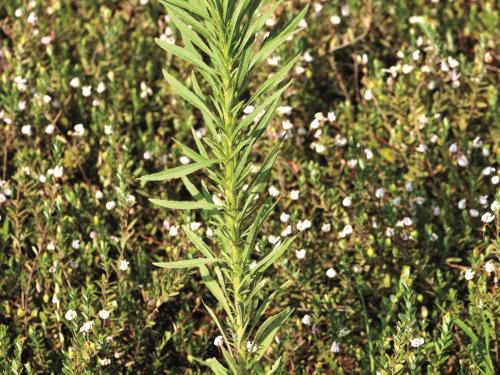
70	315
335	20
326	227
488	170
51	246
78	130
331	116
463	161
219	340
173	231
103	314
18	13
417	341
58	171
294	195
331	273
194	226
452	62
104	361
489	266
346	231
453	148
273	191
87	326
335	347
300	254
407	69
495	180
49	129
184	160
123	265
347	201
108	129
303	225
284	217
249	109
110	205
26	130
473	212
306	320
487	218
462	204
101	87
42	179
368	95
368	154
75	244
251	347
87	91
495	206
416	19
75	82
380	193
483	200
469	274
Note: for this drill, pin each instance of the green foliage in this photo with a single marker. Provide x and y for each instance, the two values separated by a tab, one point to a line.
383	152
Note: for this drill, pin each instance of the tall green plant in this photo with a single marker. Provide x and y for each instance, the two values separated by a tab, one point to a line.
224	42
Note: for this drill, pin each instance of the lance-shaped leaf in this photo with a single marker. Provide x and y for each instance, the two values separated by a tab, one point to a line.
184	205
185	54
198	242
214	365
277	38
273	255
265	334
215	289
188	95
189	263
194	6
177	172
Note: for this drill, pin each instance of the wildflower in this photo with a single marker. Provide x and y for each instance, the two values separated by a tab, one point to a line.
495	180
416	19
26	130
174	230
49	129
249	109
99	195
483	200
51	246
487	218
104	361
347	201
284	217
110	205
58	171
306	320
75	82
495	206
335	347
287	231
184	160
368	95
87	91
453	148
131	199
18	13
103	314
489	266
70	315
346	231
273	192
123	265
101	87
407	69
368	154
303	225
473	212
469	274
335	20
300	254
75	244
294	195
331	116
42	179
108	129
219	340
78	130
87	326
331	273
251	347
417	342
461	204
326	227
463	161
380	192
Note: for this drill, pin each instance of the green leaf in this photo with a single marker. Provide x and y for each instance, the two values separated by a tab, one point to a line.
188	95
265	334
185	54
275	253
216	367
177	172
468	331
184	205
190	263
215	289
198	242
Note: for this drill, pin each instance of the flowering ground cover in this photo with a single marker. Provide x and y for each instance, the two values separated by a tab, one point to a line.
388	171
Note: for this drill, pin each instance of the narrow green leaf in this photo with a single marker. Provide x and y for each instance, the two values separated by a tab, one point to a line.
468	331
185	54
275	253
265	334
198	242
184	205
215	289
216	367
190	263
177	172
